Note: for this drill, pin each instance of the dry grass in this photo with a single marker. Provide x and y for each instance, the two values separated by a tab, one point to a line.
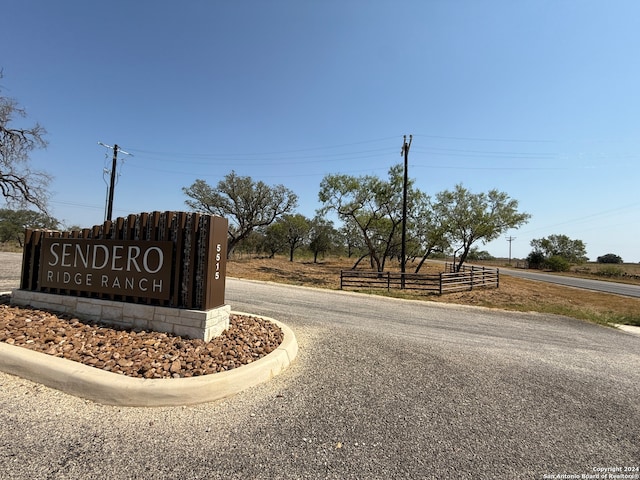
513	294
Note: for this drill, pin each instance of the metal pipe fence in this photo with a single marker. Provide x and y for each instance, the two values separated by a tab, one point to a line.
446	282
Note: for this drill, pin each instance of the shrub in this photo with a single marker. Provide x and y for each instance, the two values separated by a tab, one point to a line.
536	260
475	254
558	264
610	271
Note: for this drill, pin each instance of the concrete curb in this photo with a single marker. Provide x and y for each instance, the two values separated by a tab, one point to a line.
113	389
628	328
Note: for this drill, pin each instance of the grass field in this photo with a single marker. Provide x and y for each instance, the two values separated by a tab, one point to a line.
513	294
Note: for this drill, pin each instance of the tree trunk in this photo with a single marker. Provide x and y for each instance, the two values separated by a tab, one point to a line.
463	257
359	260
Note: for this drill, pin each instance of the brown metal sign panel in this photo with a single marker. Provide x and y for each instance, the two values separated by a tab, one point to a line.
115	267
217	263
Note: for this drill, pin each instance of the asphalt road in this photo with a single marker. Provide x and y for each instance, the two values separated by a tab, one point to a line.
584	283
381	389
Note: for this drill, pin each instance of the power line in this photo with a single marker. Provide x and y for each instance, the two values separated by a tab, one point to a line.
585	218
480	139
486	152
293	160
465	167
261	154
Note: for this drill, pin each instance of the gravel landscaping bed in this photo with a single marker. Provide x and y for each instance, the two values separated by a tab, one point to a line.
145	354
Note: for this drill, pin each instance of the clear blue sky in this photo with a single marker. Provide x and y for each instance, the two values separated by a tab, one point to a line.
539	99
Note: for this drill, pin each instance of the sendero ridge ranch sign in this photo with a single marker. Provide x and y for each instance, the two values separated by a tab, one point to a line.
116	267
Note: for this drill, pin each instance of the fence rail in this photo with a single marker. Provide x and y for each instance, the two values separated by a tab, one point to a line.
389	280
467	279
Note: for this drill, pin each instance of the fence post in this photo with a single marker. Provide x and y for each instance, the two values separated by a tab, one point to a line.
440	292
388	281
497	278
471	286
341	277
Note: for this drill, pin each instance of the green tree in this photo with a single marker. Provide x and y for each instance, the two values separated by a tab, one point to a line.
323	237
536	260
428	231
252	243
14	222
246	204
372	205
274	239
19	184
573	251
610	258
476	217
351	238
296	229
476	254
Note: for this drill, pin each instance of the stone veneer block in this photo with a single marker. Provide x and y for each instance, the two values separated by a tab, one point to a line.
88	308
142	312
111	313
188	323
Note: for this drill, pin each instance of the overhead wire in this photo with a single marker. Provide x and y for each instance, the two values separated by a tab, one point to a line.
585	218
329	147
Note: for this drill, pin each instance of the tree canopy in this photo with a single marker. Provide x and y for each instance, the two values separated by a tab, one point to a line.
322	236
610	258
476	217
428	231
14	222
457	218
19	184
291	230
371	205
247	204
572	251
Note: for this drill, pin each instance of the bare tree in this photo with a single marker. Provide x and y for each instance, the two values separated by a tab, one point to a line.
19	184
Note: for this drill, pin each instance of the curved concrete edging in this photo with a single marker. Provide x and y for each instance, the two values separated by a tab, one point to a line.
114	389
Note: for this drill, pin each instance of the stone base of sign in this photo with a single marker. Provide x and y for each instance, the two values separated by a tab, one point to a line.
186	323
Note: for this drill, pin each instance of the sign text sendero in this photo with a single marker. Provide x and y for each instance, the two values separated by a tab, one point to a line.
116	267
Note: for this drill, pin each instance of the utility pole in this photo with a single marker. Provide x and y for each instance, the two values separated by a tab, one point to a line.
405	152
112	183
510	239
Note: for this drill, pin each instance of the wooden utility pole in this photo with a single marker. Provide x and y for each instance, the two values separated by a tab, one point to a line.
403	254
510	239
112	184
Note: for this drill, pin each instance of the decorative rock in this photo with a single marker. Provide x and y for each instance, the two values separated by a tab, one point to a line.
176	366
141	354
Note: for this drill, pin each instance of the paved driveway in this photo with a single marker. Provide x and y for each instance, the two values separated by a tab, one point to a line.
381	388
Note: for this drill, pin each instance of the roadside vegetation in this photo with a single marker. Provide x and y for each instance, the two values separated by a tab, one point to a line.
514	294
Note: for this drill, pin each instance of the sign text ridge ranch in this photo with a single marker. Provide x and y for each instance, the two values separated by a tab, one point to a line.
118	267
